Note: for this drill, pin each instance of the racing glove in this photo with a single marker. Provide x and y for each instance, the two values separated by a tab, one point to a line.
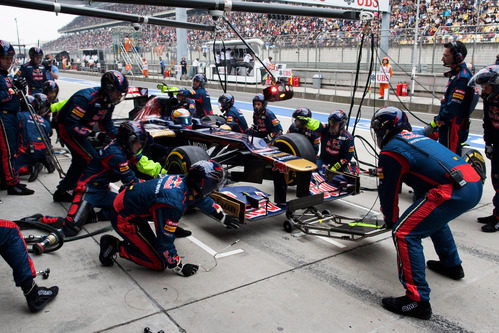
488	151
311	124
430	129
20	83
185	270
230	222
338	165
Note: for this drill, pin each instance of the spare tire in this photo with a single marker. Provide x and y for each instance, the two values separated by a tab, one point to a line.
181	158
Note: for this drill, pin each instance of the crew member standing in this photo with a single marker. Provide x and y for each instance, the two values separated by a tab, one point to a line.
9	129
445	186
488	79
234	117
265	123
33	71
337	147
199	95
13	250
75	121
455	108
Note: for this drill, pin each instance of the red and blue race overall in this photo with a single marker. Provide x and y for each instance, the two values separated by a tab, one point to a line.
163	200
202	99
491	138
13	250
455	109
75	121
32	148
9	128
111	165
35	77
424	165
236	121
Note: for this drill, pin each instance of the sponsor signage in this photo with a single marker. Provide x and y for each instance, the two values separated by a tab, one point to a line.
372	5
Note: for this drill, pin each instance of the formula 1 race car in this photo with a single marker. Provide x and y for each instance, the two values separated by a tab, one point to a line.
288	161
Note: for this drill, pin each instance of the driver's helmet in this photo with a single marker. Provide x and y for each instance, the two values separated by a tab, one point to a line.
182	117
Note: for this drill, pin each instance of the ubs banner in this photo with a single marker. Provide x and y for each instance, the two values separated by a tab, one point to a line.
374	5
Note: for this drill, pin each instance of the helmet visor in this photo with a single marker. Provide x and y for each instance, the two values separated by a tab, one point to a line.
185	121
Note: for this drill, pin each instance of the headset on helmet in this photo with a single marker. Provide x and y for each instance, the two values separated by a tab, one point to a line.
114	81
226	101
205	177
6	49
41	104
182	117
387	122
259	98
301	112
129	133
51	89
458	50
35	51
337	117
201	78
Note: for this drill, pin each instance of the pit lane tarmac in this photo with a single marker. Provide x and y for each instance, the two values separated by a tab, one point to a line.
270	281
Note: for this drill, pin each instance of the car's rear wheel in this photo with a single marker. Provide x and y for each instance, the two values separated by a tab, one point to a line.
298	145
181	158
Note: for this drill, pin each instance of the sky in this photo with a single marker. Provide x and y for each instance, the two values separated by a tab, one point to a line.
34	25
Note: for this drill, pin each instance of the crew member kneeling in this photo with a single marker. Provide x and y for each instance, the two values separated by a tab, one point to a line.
163	200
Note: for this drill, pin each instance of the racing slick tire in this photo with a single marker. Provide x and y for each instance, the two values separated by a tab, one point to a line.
474	158
181	158
298	145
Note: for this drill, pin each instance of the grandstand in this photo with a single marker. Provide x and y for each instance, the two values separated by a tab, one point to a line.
439	22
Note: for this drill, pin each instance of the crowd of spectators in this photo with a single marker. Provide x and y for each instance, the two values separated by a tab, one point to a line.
438	20
88	21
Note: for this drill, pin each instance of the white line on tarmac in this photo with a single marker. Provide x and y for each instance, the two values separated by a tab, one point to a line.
201	244
210	250
329	240
358	206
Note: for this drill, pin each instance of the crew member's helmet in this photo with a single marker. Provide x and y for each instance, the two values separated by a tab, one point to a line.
487	76
226	101
129	133
41	104
6	49
51	89
182	117
114	87
259	98
34	52
386	123
205	177
200	78
301	112
337	122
